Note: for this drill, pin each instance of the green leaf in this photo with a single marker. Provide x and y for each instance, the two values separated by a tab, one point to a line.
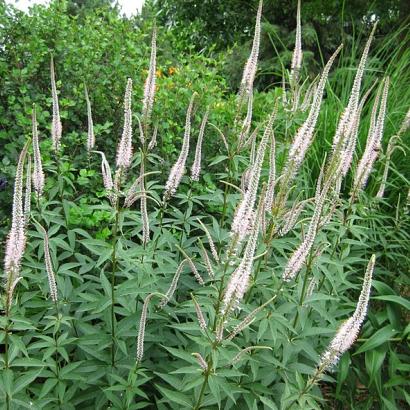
380	337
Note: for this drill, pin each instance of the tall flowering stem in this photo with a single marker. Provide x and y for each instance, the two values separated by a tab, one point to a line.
49	267
16	240
347	119
178	170
196	166
149	88
373	144
56	127
15	246
239	281
346	334
243	217
303	137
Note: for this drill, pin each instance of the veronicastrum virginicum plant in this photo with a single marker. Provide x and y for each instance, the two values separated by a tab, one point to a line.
192	298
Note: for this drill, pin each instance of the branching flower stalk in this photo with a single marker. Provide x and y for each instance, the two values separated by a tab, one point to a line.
149	87
178	170
242	221
15	246
196	166
300	255
170	292
347	119
373	144
16	240
303	138
389	151
239	280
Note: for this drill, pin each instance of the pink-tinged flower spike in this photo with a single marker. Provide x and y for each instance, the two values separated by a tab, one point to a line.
373	144
389	151
248	319
249	71
199	314
346	153
90	132
38	174
49	267
27	195
153	143
170	292
210	241
141	331
298	258
239	280
191	264
206	260
246	126
124	150
346	122
243	216
149	88
270	191
297	52
405	125
178	170
56	127
243	352
107	178
16	240
201	361
196	166
304	135
348	332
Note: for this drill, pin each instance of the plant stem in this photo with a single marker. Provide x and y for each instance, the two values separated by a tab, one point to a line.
114	268
202	392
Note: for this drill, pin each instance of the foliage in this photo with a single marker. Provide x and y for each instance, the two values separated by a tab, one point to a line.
81	351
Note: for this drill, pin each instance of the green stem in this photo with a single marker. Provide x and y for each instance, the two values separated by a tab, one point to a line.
114	268
202	392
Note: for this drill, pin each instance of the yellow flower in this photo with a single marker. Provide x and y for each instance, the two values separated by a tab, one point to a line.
172	70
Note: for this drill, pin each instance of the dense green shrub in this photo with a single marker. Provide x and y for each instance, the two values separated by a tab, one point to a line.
80	352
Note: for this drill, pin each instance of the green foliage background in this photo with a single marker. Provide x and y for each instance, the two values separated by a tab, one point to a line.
95	46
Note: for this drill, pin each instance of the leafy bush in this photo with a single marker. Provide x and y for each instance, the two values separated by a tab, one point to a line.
123	296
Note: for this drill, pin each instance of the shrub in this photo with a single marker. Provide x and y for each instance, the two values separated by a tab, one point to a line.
140	286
